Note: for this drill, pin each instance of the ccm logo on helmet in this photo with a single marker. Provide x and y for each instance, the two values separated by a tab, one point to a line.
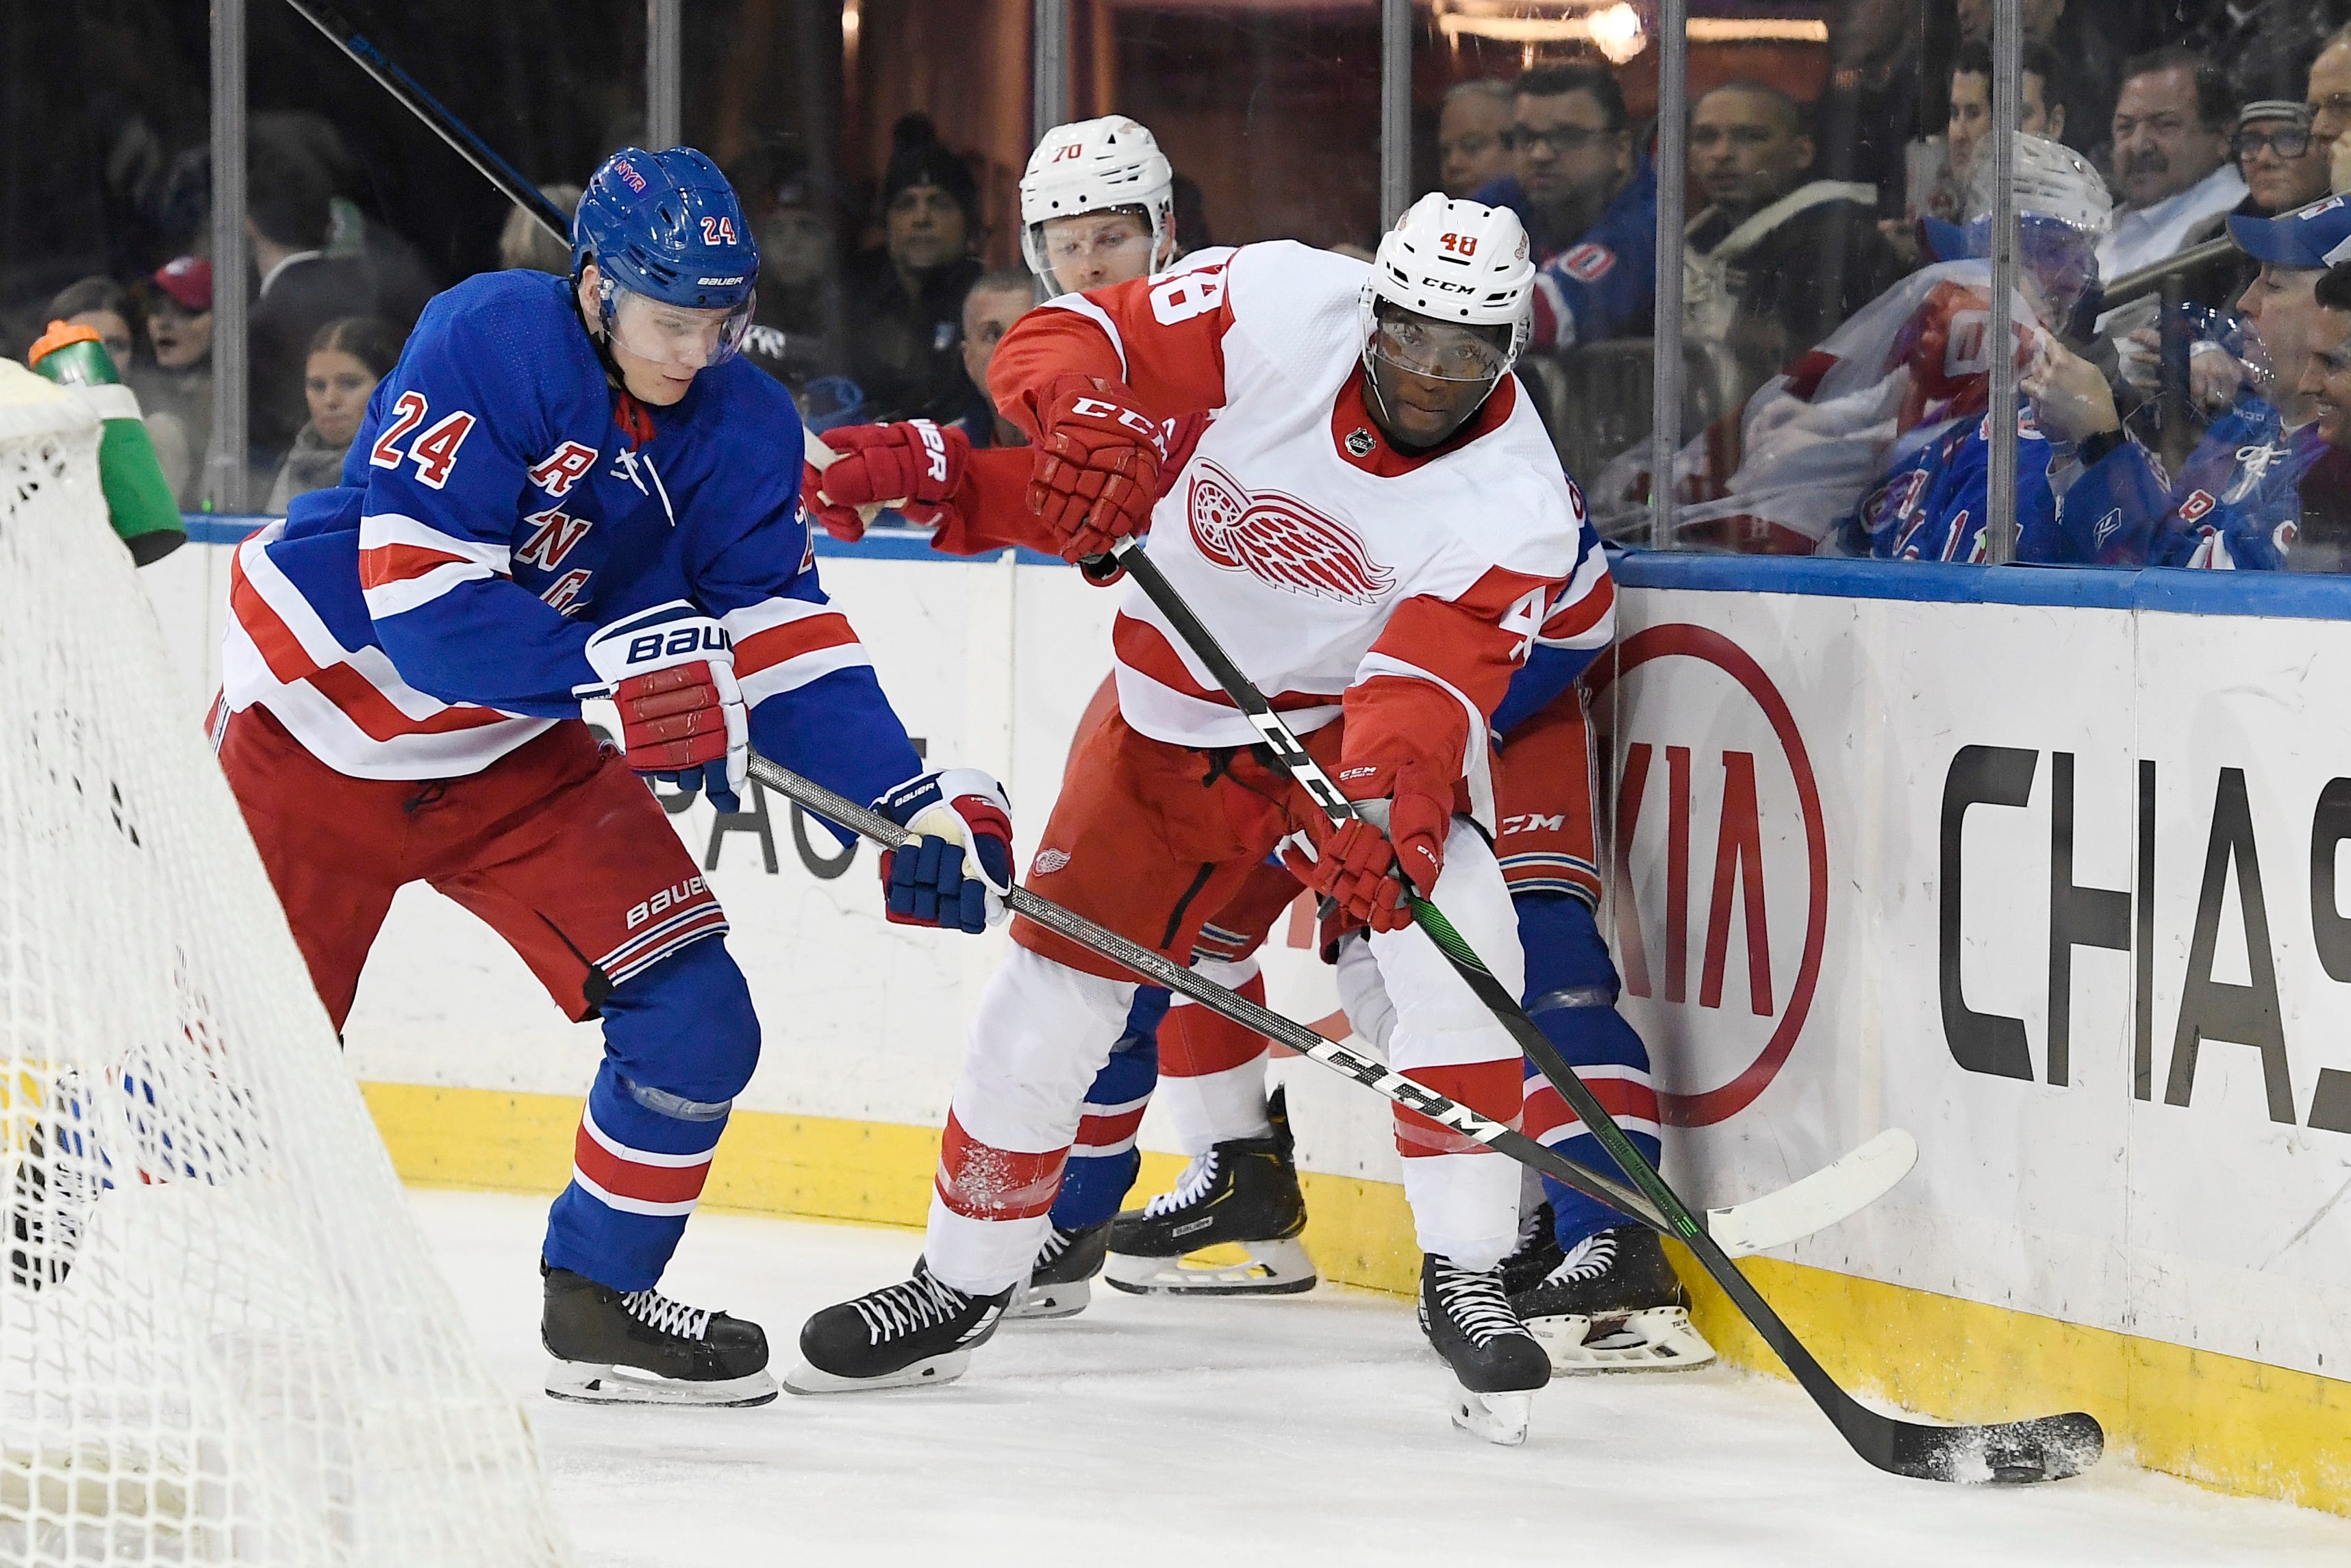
672	644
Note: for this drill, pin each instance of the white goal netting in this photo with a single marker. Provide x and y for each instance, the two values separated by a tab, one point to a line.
221	1339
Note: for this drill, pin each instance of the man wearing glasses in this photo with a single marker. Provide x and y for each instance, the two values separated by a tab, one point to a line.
1588	201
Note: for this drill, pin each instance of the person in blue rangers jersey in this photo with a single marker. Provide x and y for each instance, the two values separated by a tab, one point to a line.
571	489
2086	494
2237	502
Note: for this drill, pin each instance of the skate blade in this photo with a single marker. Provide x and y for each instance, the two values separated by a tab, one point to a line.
1041	1303
1265	1269
1656	1339
939	1369
1501	1418
588	1383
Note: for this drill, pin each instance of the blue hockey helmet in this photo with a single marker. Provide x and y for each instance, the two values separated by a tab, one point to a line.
667	228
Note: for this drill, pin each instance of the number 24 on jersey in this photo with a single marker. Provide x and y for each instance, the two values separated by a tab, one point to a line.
435	452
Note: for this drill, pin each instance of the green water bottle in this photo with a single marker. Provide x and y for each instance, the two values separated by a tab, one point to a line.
138	499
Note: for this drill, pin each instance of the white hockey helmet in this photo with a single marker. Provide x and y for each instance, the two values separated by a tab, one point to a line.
1110	165
1459	263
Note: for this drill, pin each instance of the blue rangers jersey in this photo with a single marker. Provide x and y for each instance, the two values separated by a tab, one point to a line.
500	502
1601	285
2238	499
1930	504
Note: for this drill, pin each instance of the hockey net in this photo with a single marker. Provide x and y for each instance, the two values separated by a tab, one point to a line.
220	1338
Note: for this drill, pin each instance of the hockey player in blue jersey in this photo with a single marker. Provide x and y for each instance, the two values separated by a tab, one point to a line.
2236	500
570	489
2086	494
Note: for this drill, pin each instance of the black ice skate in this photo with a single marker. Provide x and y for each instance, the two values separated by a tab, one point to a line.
1057	1286
923	1331
1537	1253
639	1347
1614	1304
48	1189
1244	1193
1498	1363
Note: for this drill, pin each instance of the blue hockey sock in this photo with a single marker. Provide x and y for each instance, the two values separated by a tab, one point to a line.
680	1040
1104	1161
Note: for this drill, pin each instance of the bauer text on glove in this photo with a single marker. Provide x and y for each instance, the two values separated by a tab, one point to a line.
959	872
914	466
669	672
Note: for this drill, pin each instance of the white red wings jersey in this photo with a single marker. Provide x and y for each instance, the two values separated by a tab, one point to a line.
1342	574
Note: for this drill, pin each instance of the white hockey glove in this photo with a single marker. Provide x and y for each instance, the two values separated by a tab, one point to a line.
670	671
935	881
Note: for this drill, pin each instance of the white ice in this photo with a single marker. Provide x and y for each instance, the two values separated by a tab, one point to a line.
1302	1431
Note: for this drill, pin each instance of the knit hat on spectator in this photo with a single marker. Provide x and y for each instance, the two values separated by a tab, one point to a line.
2311	237
920	158
2266	108
188	279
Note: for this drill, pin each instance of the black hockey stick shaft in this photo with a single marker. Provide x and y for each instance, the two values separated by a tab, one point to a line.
346	37
1162	970
2029	1450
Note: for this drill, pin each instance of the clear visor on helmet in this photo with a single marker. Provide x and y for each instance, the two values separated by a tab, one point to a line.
1438	350
680	336
1111	246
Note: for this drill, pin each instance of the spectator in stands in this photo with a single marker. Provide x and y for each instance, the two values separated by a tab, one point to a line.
801	333
302	288
906	297
347	358
2235	502
1473	125
104	306
524	242
399	280
2038	114
1870	111
2172	126
2328	91
1774	261
1001	297
2324	518
2283	167
176	384
1571	155
2090	37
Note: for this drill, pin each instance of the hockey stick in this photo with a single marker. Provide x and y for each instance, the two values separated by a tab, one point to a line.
2044	1448
2017	1451
1777	1217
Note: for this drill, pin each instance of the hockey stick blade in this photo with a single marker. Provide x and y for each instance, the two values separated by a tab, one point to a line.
1834	1192
2042	1449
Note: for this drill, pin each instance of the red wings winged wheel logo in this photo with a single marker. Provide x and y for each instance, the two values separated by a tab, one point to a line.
1282	539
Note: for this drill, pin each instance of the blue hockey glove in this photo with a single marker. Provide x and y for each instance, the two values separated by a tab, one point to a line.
937	881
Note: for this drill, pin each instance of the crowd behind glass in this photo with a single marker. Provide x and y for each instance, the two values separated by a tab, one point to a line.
1834	290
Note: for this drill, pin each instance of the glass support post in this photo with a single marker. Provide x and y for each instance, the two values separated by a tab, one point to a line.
2000	502
1666	365
226	464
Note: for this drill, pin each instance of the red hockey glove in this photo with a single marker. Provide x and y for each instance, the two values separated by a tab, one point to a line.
1096	473
670	671
913	465
934	881
1355	864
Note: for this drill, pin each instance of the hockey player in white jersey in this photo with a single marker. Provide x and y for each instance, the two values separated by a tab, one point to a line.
1377	526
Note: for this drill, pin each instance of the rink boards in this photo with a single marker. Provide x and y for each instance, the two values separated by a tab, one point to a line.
2040	865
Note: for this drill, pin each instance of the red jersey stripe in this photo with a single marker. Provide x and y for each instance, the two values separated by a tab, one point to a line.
981	1182
780	645
398	563
624	1177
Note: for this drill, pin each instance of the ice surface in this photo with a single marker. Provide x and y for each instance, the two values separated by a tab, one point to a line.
1305	1430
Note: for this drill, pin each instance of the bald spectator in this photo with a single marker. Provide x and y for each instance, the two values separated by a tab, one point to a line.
999	298
2173	122
1571	155
1775	261
1472	127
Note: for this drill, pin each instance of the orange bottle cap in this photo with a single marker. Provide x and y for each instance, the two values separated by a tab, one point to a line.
61	334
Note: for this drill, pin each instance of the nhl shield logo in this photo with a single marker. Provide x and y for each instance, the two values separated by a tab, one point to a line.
1360	442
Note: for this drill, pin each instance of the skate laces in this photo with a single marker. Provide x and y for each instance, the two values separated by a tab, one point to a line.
1476	1303
658	1312
1057	1241
920	1303
1590	1259
1192	1186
